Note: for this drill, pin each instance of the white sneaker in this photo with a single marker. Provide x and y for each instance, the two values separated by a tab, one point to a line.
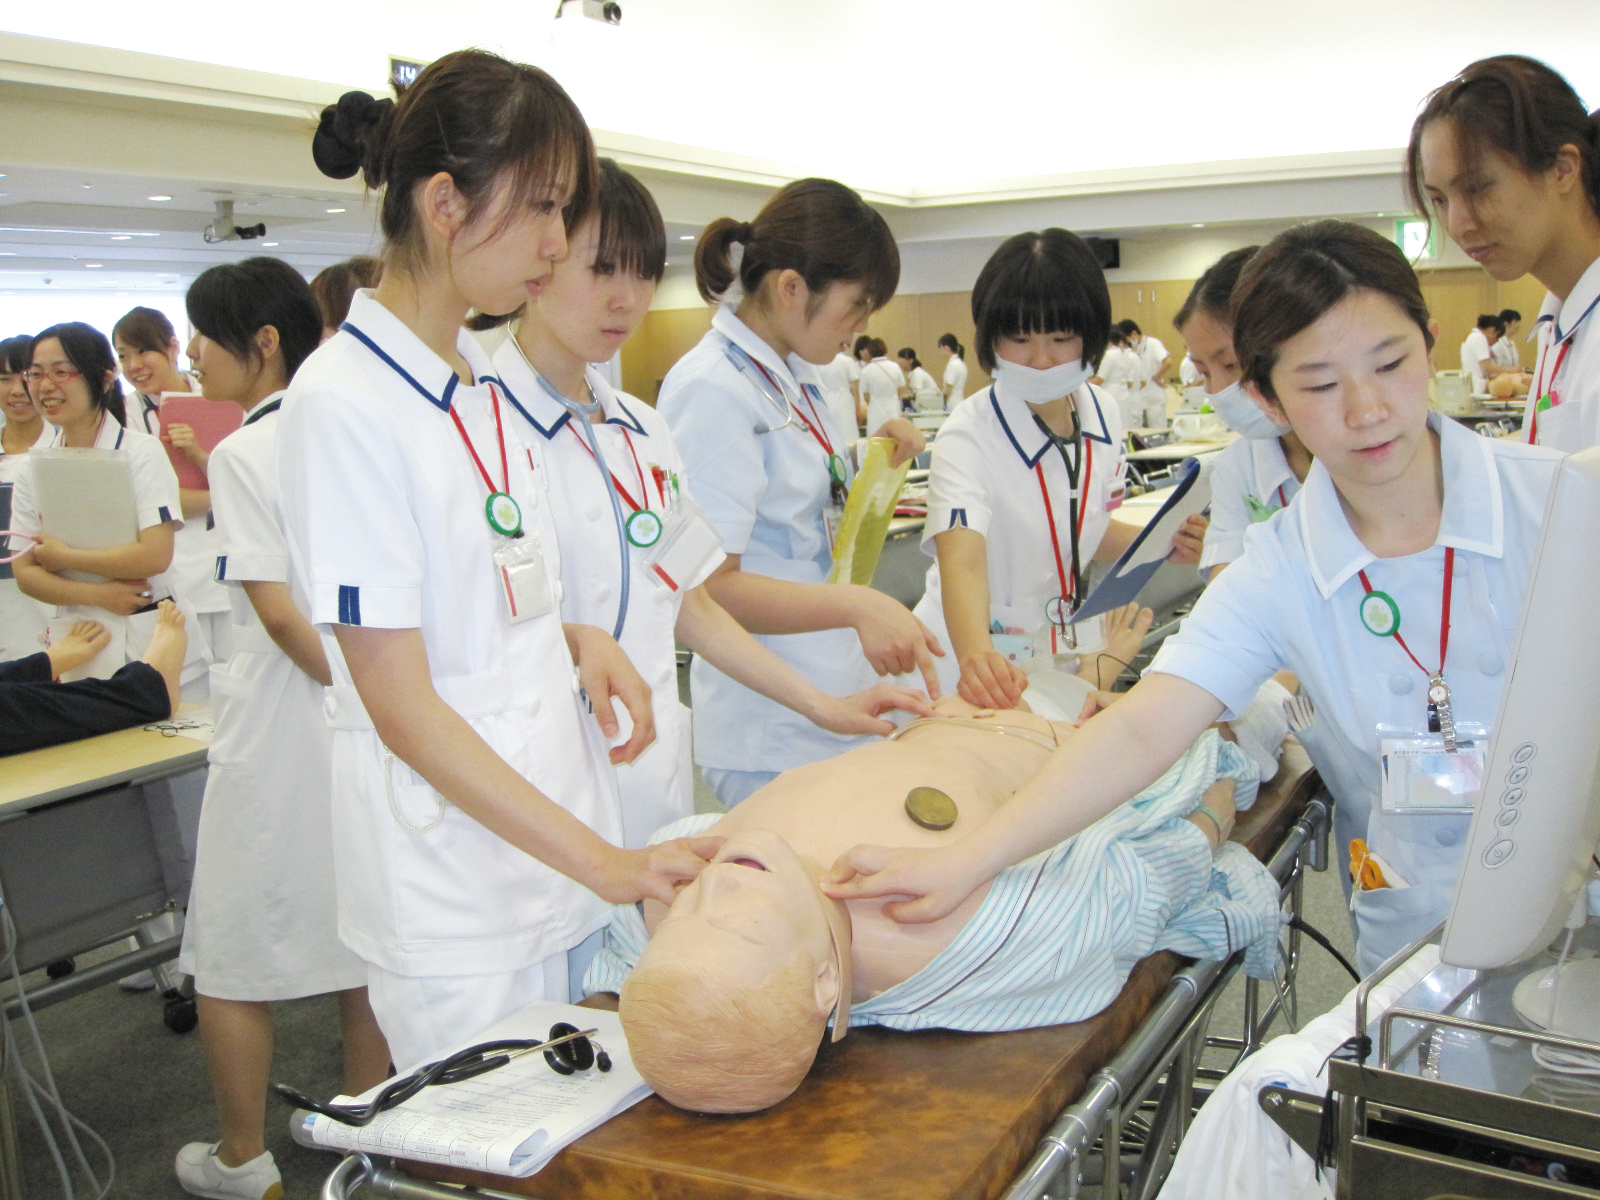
143	981
202	1174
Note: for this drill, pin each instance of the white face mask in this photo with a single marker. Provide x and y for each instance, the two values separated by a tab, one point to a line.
1243	415
1033	386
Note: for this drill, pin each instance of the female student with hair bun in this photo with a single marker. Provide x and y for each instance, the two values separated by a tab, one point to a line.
1507	158
635	499
1261	472
1408	523
22	618
926	395
261	923
475	812
1025	477
955	370
771	467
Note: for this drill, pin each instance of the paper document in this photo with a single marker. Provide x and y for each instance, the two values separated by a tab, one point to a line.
85	498
867	514
509	1121
1149	550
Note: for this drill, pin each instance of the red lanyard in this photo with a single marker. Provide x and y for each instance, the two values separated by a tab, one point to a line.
1539	390
1282	503
1069	589
644	492
1444	614
813	426
500	433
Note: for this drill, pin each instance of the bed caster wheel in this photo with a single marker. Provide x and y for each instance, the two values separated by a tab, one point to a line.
61	968
179	1014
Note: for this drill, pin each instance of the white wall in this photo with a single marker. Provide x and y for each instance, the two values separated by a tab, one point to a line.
37	310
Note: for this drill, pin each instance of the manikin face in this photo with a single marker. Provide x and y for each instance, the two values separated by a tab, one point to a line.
1499	214
63	403
842	310
746	916
15	403
591	311
501	259
1041	351
146	369
223	376
1211	347
1354	386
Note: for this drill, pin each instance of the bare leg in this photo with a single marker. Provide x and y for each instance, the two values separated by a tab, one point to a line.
168	644
237	1036
366	1053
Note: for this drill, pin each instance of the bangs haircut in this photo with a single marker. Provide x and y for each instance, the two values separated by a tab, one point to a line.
232	302
1302	273
144	329
1212	293
1516	105
496	127
88	350
633	238
1045	282
16	354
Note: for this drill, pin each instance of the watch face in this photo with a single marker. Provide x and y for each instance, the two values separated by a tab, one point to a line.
1438	693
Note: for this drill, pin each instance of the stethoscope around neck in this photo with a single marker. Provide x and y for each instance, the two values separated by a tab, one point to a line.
753	371
582	415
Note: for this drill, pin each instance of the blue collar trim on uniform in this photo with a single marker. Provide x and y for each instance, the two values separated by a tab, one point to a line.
627	419
546	431
271	406
1582	317
1103	437
442	403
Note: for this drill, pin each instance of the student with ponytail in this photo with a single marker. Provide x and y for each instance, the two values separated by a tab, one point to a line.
476	824
771	467
1507	157
955	370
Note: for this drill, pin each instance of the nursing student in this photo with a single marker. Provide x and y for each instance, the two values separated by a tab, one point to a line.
635	555
926	395
1507	159
882	381
476	824
261	922
72	378
770	469
1392	587
1025	476
955	370
1260	473
147	352
22	618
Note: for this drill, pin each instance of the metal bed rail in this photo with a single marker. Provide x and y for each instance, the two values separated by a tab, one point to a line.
1164	1050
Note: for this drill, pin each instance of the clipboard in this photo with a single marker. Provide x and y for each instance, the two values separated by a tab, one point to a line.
1142	559
211	420
86	499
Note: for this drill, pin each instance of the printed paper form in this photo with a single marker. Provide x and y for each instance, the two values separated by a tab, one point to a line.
510	1121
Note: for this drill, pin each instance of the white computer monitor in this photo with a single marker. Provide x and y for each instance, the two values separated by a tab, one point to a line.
1535	830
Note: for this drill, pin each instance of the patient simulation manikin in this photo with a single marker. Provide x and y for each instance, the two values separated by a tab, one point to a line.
726	997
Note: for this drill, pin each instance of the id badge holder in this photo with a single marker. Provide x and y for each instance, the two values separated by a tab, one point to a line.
524	579
688	546
1019	649
1421	777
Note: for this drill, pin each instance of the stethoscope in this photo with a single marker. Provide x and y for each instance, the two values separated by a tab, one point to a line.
751	370
582	415
755	373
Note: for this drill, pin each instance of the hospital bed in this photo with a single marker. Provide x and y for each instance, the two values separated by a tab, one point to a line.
937	1115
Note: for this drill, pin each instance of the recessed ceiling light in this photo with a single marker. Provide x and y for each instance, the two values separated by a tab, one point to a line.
158	197
1198	225
122	237
268	244
87	186
336	210
686	237
94	266
8	253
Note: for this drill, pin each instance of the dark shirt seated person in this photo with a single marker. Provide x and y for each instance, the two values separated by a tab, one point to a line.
726	995
36	711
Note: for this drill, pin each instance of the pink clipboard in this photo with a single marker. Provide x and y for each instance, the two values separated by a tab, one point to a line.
211	420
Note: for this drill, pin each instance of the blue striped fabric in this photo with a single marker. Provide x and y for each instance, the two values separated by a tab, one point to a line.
349	604
1057	935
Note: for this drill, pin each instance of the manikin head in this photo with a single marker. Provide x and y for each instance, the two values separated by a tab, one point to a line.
728	1005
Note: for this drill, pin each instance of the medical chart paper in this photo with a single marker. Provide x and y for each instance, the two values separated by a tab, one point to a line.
510	1121
867	514
1149	550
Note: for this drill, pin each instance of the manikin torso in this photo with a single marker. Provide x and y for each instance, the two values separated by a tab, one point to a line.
826	807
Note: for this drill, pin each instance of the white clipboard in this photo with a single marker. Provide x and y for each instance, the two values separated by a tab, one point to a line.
85	499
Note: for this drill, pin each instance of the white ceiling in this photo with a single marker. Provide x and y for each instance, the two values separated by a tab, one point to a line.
964	121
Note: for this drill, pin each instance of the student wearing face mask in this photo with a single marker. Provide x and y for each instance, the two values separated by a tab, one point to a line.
1507	158
1157	364
1261	472
1025	476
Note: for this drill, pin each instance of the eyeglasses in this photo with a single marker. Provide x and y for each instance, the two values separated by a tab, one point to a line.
568	1050
57	374
174	727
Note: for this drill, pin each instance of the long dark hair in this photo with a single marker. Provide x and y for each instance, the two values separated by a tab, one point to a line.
90	352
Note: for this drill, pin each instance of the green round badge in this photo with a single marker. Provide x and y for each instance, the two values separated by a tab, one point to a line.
504	514
1057	611
643	528
1380	614
836	468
